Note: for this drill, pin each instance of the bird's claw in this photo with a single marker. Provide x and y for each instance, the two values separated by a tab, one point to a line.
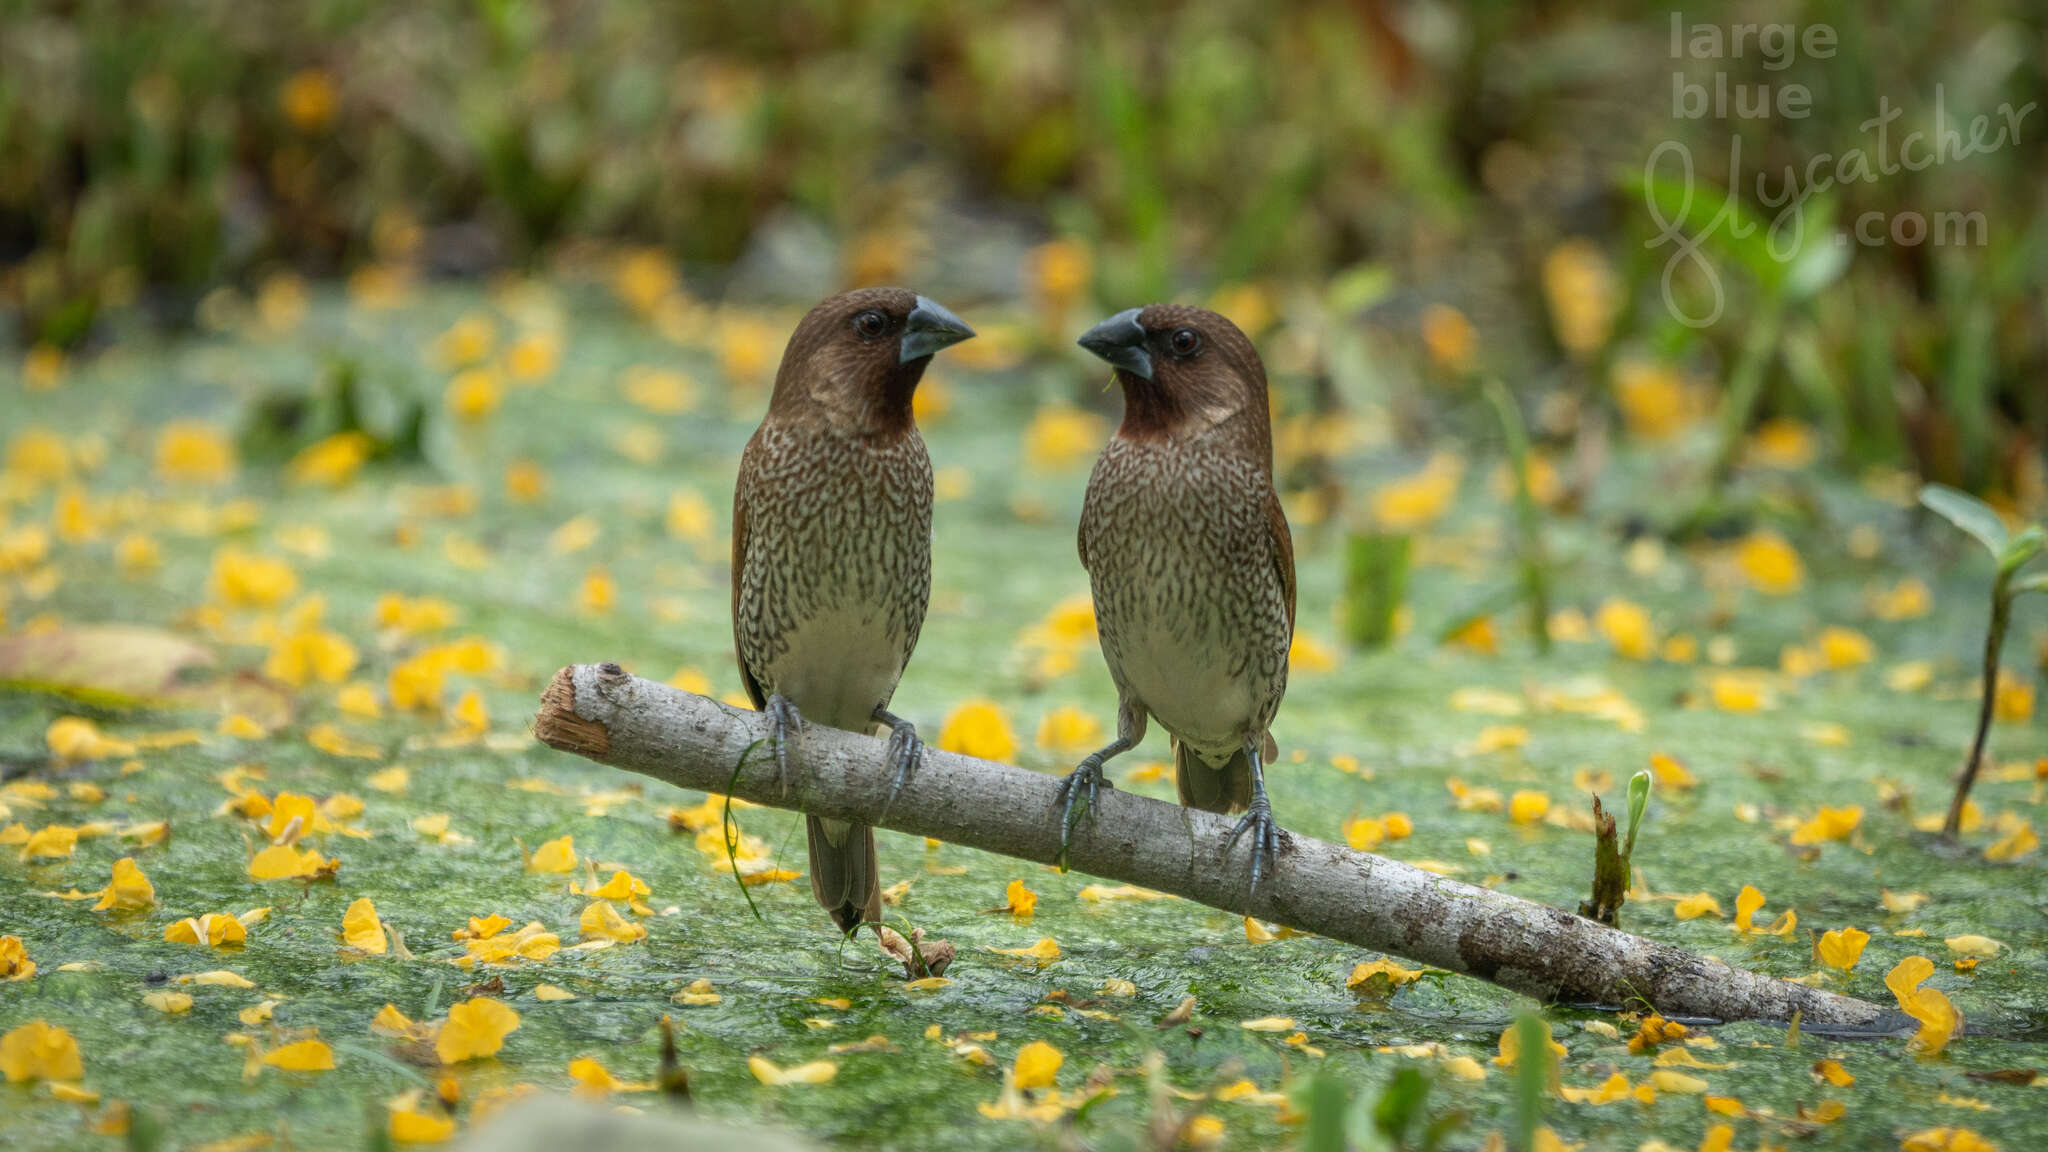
1085	780
783	720
1265	847
905	754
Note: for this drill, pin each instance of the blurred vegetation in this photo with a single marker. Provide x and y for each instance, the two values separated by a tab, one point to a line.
1488	158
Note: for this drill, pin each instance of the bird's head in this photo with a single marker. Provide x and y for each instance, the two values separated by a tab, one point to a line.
1184	371
857	357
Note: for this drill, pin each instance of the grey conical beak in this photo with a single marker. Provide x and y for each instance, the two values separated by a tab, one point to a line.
1121	341
929	328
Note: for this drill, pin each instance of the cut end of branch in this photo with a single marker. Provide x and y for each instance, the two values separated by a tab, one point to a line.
558	726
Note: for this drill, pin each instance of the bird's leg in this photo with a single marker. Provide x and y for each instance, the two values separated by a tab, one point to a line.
1258	819
1085	780
906	751
783	723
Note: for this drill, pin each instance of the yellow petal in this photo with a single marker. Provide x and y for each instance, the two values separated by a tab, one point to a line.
170	1003
816	1072
304	1056
475	1028
362	929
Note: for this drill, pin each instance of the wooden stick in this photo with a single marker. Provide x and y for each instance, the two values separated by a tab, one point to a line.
599	712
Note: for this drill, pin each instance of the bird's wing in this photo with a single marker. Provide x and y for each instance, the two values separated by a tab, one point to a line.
739	567
1283	551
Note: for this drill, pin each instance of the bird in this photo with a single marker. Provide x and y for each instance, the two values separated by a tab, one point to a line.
1190	564
831	550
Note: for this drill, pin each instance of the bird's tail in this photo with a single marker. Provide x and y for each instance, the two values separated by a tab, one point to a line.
1212	789
844	876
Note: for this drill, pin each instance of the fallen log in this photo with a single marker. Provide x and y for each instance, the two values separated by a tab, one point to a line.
601	713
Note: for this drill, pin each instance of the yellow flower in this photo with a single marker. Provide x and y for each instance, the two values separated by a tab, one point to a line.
1059	435
332	461
1058	272
51	842
415	617
1036	1065
1974	945
1450	338
1364	834
1828	824
189	452
362	929
601	921
213	930
644	278
244	580
1695	906
1579	288
469	713
308	99
1845	647
557	855
137	553
1747	902
1418	500
1022	901
1655	402
1476	635
285	862
169	1003
622	886
38	1051
1740	691
659	390
1907	600
37	456
1305	653
128	891
1842	947
1067	731
816	1072
597	594
468	341
1782	443
2014	703
690	517
533	356
411	1125
1937	1016
1670	773
303	1056
1527	807
76	738
525	481
1369	973
1511	1046
473	394
2014	845
1046	950
1946	1140
475	1028
308	657
1626	626
14	961
978	728
1770	564
1615	1087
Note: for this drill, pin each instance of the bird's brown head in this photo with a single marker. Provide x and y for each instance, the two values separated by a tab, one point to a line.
1185	371
855	359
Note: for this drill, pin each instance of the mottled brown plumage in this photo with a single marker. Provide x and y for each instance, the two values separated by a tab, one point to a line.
831	548
1190	560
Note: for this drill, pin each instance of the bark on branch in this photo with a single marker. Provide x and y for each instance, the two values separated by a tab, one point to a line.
599	712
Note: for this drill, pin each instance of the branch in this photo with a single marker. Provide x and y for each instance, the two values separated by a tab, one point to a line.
599	712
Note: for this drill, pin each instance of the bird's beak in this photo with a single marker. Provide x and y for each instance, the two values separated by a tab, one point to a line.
1121	341
929	328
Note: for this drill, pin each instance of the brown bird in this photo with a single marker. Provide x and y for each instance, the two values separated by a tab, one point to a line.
831	549
1190	562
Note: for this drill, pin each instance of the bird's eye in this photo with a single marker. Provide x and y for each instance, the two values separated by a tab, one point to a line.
1185	342
870	324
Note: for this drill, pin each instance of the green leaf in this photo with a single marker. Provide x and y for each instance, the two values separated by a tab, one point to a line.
2038	582
1638	805
1326	1108
1968	513
1532	1077
2019	550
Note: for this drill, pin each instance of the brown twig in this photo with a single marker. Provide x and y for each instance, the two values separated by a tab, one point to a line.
599	712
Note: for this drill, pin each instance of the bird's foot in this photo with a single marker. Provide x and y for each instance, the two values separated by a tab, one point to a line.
906	752
1083	783
1265	832
784	723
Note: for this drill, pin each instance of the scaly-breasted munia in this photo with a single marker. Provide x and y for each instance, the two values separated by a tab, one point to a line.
831	549
1190	562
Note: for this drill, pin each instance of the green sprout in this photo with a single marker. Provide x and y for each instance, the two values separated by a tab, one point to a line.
1529	551
1612	853
2012	552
